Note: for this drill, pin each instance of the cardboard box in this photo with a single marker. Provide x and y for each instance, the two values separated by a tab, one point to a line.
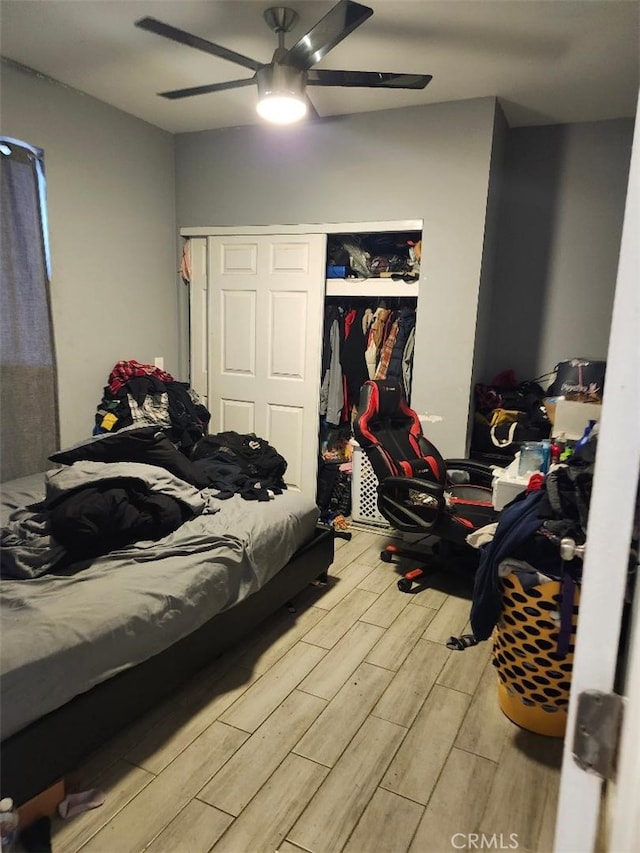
550	408
43	805
571	418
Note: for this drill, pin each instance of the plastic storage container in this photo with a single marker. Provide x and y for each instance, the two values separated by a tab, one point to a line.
8	824
534	682
531	458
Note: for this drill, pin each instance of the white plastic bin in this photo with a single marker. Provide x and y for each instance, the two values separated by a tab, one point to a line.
507	484
364	491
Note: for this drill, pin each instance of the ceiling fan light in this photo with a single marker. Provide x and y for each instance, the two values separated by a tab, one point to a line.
281	109
281	95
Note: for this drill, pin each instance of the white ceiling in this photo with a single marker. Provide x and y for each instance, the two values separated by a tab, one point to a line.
549	62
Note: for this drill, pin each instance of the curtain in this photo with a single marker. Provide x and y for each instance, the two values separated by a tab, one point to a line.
29	427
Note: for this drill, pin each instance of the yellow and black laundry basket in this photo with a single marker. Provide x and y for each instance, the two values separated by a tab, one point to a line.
534	680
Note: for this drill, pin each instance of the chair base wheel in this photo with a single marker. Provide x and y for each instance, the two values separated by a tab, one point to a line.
404	585
385	556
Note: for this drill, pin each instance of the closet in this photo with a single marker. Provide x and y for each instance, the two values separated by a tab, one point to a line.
258	300
369	313
369	328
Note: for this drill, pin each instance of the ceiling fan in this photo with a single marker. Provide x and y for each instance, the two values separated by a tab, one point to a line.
282	82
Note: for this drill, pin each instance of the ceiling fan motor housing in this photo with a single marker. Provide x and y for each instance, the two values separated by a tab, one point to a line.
280	19
281	81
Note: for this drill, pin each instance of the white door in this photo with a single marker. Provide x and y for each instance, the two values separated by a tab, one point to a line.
611	519
198	337
265	309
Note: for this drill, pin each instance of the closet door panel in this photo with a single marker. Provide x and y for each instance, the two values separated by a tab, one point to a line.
239	259
288	334
289	257
266	299
286	427
236	415
238	332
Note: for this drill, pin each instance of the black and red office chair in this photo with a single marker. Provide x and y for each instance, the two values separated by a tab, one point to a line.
419	492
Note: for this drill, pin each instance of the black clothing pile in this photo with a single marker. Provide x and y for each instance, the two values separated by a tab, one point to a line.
241	464
506	414
173	434
148	400
148	445
112	514
529	530
90	509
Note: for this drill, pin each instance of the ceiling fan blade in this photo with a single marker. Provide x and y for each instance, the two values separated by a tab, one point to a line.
312	112
176	94
152	25
326	34
368	79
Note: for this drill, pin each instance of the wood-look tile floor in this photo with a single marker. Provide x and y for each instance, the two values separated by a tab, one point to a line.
344	726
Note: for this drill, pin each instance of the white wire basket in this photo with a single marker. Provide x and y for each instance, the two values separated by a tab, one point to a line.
364	492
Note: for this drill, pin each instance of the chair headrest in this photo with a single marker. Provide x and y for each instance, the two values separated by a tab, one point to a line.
381	398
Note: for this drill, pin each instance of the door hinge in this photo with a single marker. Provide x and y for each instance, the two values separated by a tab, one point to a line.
595	740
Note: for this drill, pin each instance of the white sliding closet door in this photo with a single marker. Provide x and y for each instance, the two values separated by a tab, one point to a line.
198	337
265	312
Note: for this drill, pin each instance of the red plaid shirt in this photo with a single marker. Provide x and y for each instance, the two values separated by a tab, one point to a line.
125	370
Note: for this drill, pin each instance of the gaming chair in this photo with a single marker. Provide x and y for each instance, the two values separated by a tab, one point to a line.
418	491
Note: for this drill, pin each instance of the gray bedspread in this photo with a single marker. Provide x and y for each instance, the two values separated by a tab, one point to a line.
28	547
62	633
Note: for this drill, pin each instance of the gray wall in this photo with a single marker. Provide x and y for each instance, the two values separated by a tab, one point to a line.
560	225
484	323
550	259
429	163
110	183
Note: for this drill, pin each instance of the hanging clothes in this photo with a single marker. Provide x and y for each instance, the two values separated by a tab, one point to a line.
376	336
354	366
407	364
387	350
331	391
401	358
185	262
367	320
375	339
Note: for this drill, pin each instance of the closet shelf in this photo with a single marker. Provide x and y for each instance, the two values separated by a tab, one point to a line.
370	287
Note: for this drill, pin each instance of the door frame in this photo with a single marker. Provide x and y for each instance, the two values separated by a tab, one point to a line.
611	519
309	228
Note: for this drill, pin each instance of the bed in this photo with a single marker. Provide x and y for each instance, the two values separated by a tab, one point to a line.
151	613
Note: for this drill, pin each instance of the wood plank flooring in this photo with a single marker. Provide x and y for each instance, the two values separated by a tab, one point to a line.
344	726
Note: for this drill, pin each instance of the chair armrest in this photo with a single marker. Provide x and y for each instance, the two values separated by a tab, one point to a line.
404	514
479	473
405	483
